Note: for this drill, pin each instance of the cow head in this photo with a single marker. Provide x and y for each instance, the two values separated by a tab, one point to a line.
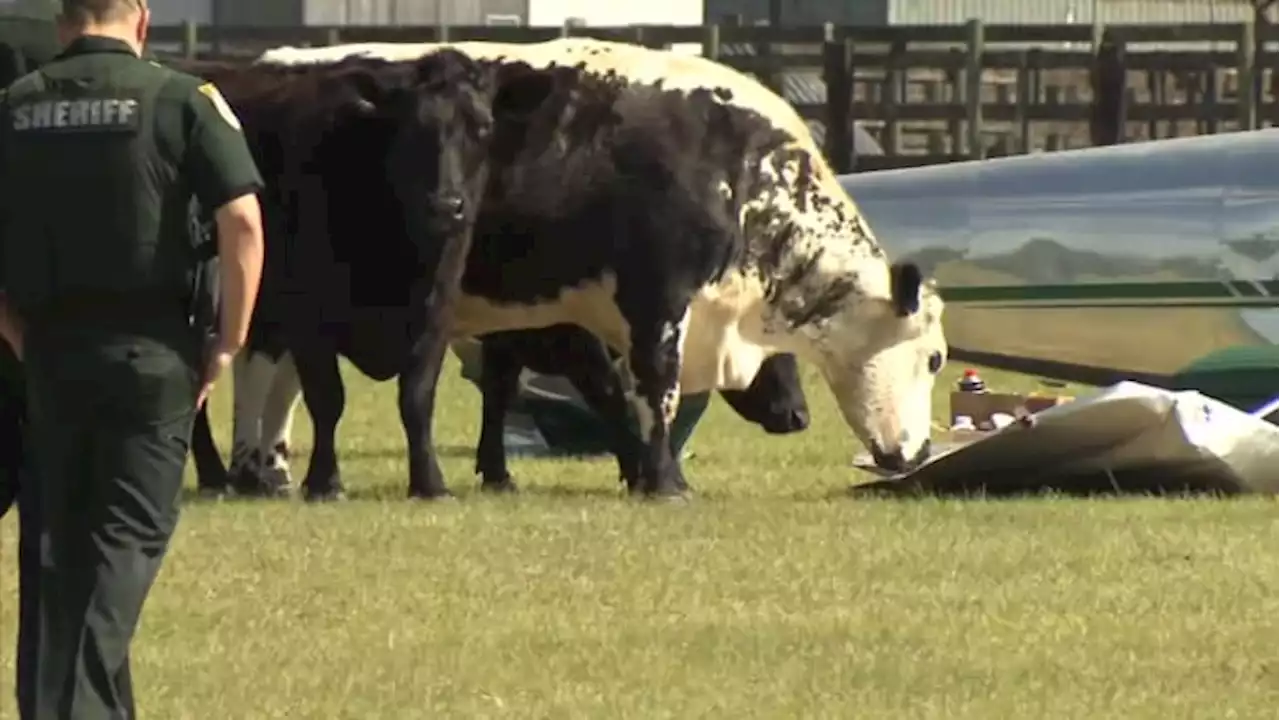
443	113
431	121
881	354
775	399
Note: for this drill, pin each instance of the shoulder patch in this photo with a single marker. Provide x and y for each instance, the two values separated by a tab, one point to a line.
210	91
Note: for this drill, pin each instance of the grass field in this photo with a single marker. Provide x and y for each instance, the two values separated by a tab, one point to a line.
767	597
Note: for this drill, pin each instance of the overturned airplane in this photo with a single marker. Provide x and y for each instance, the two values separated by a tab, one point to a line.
1154	261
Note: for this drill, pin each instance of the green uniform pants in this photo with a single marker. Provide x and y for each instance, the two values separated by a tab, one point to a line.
109	423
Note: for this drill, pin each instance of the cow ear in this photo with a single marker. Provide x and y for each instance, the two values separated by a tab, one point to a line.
905	282
368	94
521	92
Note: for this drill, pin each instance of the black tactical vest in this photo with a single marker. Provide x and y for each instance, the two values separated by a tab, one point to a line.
97	205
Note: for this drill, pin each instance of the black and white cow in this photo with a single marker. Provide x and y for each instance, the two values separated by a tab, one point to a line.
681	212
267	387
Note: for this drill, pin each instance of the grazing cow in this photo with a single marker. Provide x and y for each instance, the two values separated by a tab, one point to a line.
374	170
775	400
681	212
266	391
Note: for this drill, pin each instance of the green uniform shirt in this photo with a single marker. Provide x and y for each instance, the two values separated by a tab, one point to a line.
101	155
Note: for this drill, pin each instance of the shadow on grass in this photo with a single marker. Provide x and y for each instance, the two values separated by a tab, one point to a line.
980	489
464	492
605	490
466	452
193	496
469	492
1122	484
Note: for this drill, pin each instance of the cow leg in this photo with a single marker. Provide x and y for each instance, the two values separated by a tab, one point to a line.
418	383
255	374
245	414
211	474
599	382
499	381
277	424
325	396
655	360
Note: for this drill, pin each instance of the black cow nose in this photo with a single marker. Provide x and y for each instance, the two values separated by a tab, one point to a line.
897	462
783	421
893	462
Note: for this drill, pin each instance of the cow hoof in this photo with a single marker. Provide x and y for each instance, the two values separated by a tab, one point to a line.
263	491
260	484
500	487
437	496
663	494
325	496
676	497
220	480
680	498
277	478
211	492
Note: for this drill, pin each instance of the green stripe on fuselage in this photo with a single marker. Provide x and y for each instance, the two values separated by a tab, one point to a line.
1226	293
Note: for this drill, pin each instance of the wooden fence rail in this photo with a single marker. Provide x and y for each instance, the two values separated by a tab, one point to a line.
954	92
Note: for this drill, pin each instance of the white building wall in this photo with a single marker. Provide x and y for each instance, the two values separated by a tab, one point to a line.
616	13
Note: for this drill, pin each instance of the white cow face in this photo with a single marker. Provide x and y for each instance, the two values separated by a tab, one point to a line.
881	359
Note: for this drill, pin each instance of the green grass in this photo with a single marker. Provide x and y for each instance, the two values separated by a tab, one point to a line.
767	597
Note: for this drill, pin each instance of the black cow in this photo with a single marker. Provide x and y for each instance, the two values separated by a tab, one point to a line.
681	212
775	399
374	170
